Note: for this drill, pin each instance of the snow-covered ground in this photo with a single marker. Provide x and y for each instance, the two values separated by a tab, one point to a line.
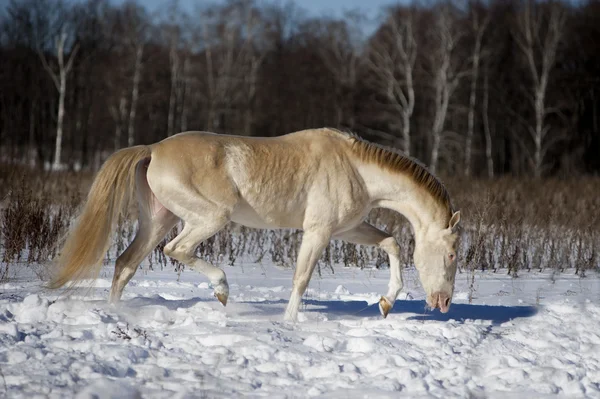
531	337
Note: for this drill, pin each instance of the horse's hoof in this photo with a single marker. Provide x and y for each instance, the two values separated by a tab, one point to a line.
221	292
222	298
384	306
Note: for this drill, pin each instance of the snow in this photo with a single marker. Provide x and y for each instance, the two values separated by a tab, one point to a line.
534	336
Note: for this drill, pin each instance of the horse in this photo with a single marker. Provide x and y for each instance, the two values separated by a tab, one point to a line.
321	181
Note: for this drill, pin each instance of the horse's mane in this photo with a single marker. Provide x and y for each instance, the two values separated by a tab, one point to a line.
391	159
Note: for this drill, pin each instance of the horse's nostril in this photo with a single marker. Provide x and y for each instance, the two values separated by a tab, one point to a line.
447	303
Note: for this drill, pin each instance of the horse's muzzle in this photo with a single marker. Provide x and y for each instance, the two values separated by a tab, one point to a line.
441	301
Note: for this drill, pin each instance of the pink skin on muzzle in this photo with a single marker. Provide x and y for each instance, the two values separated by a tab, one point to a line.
439	300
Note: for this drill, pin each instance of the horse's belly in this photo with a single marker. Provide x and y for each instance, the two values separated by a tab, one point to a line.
247	216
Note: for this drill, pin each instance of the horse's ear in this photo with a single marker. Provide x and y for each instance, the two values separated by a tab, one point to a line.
454	221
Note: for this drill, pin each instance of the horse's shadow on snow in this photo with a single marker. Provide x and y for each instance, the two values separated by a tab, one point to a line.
418	310
171	304
338	309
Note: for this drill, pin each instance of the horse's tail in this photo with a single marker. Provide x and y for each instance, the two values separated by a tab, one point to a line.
87	242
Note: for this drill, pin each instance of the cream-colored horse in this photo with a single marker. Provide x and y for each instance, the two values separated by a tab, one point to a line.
322	181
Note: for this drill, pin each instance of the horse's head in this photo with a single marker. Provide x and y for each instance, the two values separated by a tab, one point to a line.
435	259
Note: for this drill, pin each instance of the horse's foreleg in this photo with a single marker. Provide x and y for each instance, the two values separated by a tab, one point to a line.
366	234
149	234
313	244
183	248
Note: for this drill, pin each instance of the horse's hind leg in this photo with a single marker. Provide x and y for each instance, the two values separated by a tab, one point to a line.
183	248
150	232
366	234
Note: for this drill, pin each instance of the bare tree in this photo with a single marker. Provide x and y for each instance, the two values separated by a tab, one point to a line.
486	122
217	78
391	60
26	24
60	81
135	90
232	60
174	64
127	28
136	37
119	114
479	25
538	31
185	93
173	30
446	69
184	89
255	60
253	57
340	48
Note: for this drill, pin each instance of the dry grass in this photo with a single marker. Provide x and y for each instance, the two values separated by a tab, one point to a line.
507	224
526	224
35	210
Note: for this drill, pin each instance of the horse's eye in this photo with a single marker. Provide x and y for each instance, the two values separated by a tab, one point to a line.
451	256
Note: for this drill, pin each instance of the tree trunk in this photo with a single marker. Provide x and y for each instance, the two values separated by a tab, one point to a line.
59	120
85	148
539	131
135	94
31	151
60	82
486	126
540	47
392	66
446	79
442	100
210	112
408	110
406	132
472	99
174	56
479	28
119	117
186	93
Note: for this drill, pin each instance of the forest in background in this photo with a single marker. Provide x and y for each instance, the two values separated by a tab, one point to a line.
473	88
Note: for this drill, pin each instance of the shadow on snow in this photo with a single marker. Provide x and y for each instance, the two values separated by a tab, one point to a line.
419	311
171	304
335	309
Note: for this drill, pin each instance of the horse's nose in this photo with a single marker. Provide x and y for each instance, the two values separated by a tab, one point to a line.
442	301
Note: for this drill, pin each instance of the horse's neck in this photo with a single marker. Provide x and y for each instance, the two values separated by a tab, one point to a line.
398	192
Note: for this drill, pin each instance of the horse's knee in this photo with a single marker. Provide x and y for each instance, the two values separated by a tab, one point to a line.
390	246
